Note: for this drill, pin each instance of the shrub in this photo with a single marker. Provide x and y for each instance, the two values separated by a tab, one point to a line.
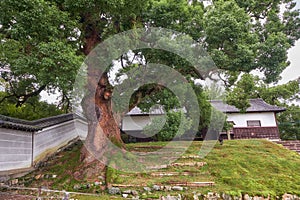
165	128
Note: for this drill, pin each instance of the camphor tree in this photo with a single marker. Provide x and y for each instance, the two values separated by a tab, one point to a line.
43	43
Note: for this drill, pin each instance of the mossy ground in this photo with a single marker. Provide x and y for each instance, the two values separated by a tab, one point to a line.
255	167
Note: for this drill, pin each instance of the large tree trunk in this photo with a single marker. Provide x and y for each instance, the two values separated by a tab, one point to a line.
102	127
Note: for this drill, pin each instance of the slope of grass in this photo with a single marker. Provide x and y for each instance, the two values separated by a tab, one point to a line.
245	166
256	167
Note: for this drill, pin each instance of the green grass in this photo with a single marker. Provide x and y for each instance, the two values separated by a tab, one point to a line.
255	167
243	166
63	165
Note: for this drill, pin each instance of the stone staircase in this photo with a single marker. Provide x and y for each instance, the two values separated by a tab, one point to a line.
293	145
182	173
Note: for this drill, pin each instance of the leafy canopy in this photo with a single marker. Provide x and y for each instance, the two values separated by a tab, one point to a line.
43	42
31	110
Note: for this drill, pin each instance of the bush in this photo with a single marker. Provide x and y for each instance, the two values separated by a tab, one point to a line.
165	128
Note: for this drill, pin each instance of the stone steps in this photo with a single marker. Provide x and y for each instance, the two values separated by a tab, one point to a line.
172	183
161	174
293	145
189	164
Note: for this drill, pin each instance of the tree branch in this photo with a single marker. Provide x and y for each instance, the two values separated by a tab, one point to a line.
6	97
25	97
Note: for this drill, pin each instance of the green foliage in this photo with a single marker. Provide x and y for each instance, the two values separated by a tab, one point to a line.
250	86
204	107
31	110
247	35
42	42
177	15
244	89
289	123
280	94
111	174
227	125
168	127
229	39
233	32
37	48
163	96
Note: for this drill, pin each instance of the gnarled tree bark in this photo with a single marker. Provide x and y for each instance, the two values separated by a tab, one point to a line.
102	127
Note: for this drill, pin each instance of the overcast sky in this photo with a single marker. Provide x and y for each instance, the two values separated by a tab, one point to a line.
293	71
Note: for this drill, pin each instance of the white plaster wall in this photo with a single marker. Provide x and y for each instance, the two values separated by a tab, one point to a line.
51	139
267	119
15	149
137	123
81	128
16	146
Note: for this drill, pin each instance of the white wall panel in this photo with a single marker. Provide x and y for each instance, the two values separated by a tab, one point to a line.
15	149
267	119
136	123
51	139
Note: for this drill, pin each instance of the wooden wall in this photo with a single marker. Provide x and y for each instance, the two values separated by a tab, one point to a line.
271	133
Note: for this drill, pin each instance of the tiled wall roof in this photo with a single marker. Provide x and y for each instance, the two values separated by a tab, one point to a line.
256	105
36	125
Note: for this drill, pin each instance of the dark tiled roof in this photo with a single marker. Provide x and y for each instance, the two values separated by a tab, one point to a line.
256	105
36	125
18	125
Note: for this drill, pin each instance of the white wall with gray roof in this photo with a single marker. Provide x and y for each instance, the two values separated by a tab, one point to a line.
30	144
50	139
